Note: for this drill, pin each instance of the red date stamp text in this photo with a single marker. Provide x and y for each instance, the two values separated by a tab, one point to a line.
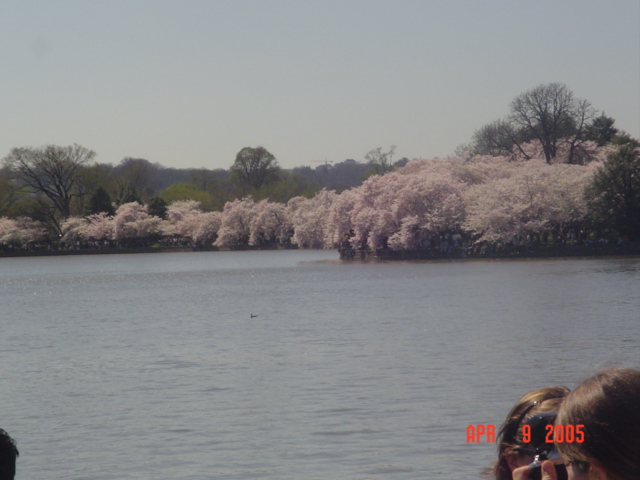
554	433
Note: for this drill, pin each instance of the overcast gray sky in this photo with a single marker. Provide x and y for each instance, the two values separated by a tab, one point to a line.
190	83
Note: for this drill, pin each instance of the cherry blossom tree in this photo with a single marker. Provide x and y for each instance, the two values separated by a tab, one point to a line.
208	226
428	200
73	230
7	225
370	213
403	209
425	203
339	222
537	198
100	226
269	224
427	206
132	221
235	228
183	219
20	231
309	218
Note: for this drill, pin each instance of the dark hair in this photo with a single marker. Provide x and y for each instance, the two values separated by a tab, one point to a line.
537	401
608	405
8	455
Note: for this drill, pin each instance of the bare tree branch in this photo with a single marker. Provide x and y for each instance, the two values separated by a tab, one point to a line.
52	170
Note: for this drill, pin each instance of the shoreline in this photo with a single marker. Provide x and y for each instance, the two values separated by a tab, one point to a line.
504	253
45	252
573	251
93	251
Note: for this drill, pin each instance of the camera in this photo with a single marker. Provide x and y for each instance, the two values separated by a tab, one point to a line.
539	448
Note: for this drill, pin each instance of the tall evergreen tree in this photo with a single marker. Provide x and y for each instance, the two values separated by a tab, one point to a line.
615	192
99	202
157	207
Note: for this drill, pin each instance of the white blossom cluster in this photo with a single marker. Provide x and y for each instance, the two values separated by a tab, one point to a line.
487	198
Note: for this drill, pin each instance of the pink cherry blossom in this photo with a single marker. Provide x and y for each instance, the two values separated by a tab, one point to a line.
100	226
235	227
20	231
309	218
269	224
132	221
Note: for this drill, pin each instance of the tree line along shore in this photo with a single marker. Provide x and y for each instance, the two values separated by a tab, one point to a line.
553	176
599	248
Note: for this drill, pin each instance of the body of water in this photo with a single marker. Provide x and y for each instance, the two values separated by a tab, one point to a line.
151	366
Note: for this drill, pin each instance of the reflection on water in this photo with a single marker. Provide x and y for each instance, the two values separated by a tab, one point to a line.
150	366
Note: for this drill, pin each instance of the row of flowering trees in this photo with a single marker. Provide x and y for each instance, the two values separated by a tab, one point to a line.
488	198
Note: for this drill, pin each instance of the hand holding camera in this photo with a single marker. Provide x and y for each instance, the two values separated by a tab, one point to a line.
543	453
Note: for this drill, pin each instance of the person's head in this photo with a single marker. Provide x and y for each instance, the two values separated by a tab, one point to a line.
509	437
608	405
8	454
